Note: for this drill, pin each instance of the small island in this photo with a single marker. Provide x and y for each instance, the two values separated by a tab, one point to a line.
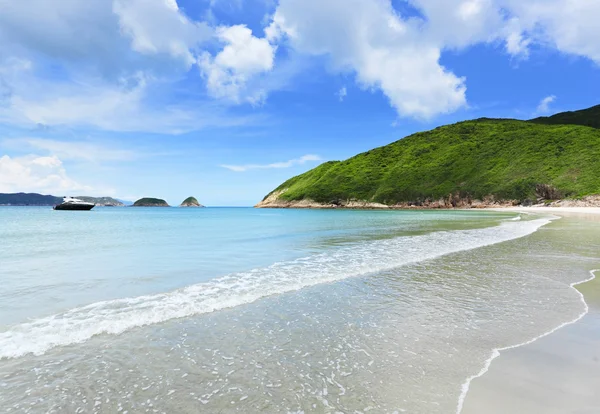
190	202
150	202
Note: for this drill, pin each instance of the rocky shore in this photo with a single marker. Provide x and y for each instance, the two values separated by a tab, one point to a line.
453	201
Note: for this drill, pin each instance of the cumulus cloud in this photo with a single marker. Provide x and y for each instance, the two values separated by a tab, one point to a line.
368	38
36	174
243	57
284	164
544	106
100	34
342	93
119	61
158	26
569	26
400	56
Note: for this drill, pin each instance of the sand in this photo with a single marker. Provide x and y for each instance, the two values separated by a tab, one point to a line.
563	210
559	373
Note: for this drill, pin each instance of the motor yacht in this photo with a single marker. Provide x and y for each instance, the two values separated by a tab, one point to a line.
70	203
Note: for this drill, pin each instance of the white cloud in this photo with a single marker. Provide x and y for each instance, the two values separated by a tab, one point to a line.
368	38
158	26
285	164
115	64
118	63
544	106
99	35
36	174
130	105
342	93
244	57
72	150
570	26
460	23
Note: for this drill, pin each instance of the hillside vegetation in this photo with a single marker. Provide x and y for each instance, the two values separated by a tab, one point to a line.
190	202
486	158
586	117
150	202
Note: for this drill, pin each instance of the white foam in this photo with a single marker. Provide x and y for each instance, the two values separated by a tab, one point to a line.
496	352
117	316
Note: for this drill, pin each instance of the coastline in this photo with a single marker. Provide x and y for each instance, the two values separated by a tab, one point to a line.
452	202
482	403
539	375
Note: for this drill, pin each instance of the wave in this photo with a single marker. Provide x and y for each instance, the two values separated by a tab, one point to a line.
117	316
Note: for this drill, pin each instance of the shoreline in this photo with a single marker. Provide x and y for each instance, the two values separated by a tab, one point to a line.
492	207
452	202
496	352
552	348
536	209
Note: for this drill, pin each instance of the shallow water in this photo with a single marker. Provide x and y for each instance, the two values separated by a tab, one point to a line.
275	311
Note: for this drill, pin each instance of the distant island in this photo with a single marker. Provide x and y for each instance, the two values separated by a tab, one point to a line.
478	163
102	201
150	202
190	202
35	199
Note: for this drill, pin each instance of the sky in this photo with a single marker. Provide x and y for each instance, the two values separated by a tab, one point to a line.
226	99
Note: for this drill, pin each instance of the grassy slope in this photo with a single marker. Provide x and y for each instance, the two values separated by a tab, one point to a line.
586	117
504	158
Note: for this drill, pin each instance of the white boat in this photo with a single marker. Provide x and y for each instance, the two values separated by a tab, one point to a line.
70	203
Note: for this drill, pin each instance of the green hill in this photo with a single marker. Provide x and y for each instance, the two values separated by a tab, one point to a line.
150	202
480	159
586	117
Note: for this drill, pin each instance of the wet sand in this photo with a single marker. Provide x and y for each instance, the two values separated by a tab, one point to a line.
558	373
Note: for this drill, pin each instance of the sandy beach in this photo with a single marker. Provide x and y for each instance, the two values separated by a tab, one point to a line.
579	211
557	373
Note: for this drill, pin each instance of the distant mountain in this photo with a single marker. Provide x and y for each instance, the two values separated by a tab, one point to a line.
587	117
35	199
28	199
470	163
102	201
125	202
150	202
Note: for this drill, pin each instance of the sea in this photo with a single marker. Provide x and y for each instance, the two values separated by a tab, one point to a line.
241	310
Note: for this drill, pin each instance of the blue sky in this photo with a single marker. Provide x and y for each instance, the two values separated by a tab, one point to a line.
226	99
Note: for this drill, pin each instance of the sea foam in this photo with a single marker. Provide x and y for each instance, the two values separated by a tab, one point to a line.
117	316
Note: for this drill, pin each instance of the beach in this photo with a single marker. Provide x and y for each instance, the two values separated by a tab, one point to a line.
279	310
557	373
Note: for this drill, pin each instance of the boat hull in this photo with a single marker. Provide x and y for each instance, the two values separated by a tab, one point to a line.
80	207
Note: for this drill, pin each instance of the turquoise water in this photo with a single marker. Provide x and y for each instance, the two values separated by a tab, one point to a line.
53	260
244	310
